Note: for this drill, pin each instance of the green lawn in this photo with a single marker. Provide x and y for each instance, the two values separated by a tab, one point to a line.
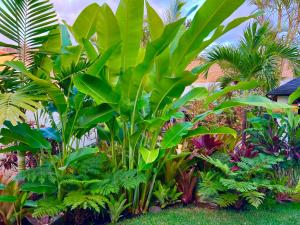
287	214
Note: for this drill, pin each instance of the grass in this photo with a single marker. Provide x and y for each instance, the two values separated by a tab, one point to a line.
285	214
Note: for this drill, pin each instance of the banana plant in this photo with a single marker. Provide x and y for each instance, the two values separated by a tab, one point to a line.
108	77
143	84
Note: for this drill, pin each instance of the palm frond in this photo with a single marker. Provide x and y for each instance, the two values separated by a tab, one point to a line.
228	57
281	51
14	105
26	23
253	37
257	56
228	79
174	12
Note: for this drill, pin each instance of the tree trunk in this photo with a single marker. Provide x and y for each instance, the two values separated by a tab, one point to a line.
279	20
21	155
295	27
21	161
244	126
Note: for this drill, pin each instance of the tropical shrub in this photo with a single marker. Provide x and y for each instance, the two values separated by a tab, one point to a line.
134	90
249	184
130	91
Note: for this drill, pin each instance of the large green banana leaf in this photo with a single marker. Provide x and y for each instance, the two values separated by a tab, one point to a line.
130	16
208	18
156	25
85	25
25	136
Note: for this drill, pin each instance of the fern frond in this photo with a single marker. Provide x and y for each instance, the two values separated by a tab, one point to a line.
129	179
276	188
254	198
226	200
209	187
239	186
79	199
48	207
104	187
85	169
210	183
40	174
218	164
258	164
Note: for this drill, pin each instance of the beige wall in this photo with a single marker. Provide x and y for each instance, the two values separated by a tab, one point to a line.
215	72
3	59
282	99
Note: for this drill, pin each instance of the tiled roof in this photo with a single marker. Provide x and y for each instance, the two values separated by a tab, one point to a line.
286	89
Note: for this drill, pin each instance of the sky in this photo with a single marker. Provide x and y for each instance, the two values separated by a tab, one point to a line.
70	9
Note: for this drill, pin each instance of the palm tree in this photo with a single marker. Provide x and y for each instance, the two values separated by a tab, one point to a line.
284	15
26	23
257	56
174	12
30	26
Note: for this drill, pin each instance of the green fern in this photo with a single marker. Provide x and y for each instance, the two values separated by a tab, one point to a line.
41	174
275	188
254	198
227	199
86	171
105	187
79	199
129	179
48	207
209	187
210	183
239	186
218	164
252	166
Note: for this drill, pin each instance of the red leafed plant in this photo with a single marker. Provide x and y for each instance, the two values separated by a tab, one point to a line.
9	162
283	197
206	144
186	184
244	151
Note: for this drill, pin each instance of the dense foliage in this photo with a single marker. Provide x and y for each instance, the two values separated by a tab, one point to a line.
102	76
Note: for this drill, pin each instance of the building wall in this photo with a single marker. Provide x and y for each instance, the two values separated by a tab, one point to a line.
5	58
282	99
